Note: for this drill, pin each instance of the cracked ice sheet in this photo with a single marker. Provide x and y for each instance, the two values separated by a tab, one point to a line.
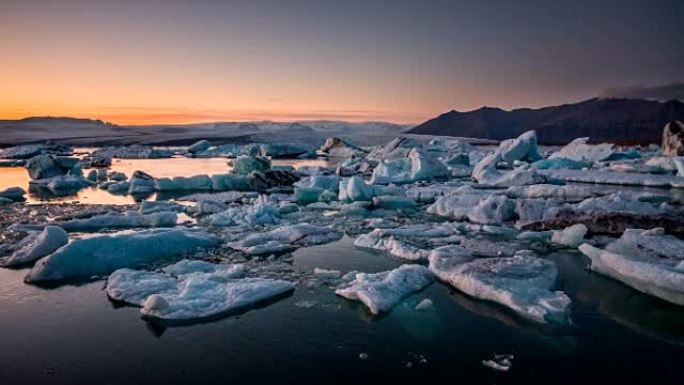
646	260
192	290
380	292
521	283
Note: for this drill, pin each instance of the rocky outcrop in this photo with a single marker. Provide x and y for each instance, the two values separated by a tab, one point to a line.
673	139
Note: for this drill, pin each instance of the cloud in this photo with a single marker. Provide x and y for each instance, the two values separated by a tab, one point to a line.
661	93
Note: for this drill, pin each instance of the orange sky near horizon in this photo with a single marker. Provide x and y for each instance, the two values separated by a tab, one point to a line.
174	61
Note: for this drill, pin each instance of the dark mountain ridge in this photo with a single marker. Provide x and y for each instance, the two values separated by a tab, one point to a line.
602	120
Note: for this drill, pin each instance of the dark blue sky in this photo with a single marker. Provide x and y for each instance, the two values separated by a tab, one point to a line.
394	60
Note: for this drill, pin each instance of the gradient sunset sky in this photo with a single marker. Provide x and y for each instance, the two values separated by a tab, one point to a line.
135	62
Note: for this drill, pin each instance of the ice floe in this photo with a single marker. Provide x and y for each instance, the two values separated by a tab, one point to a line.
380	292
36	246
99	255
521	283
647	260
286	238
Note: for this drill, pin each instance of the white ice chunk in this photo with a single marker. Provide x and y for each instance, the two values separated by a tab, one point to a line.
355	189
192	290
645	260
286	238
571	236
615	178
103	254
521	283
257	214
579	150
37	246
380	292
128	220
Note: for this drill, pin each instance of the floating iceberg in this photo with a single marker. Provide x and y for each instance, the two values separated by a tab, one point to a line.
134	286
521	283
257	214
180	183
524	147
128	220
245	164
379	240
580	151
416	166
202	296
339	148
37	245
101	255
380	292
571	236
616	178
567	193
355	189
395	149
286	238
646	260
199	146
231	182
140	183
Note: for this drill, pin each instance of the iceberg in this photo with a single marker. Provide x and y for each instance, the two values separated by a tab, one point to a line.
616	178
286	238
134	286
180	183
100	255
355	189
140	183
521	283
231	182
580	151
128	220
492	210
567	193
416	166
37	245
201	296
380	240
380	292
337	147
257	214
199	146
396	148
245	164
646	260
524	148
571	236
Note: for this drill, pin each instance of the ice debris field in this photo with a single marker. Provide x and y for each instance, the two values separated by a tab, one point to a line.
478	219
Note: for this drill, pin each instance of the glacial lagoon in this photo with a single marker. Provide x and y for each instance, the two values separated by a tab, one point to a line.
66	331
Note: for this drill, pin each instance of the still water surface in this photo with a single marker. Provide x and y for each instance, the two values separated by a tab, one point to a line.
73	334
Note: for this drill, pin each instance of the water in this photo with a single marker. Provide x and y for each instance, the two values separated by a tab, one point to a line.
159	168
74	334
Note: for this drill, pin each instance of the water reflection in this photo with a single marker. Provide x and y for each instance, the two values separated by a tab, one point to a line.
593	293
160	168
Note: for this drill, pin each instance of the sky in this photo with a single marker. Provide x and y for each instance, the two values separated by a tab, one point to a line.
145	62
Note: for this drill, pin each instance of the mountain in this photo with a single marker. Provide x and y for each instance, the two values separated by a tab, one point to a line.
602	120
89	132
